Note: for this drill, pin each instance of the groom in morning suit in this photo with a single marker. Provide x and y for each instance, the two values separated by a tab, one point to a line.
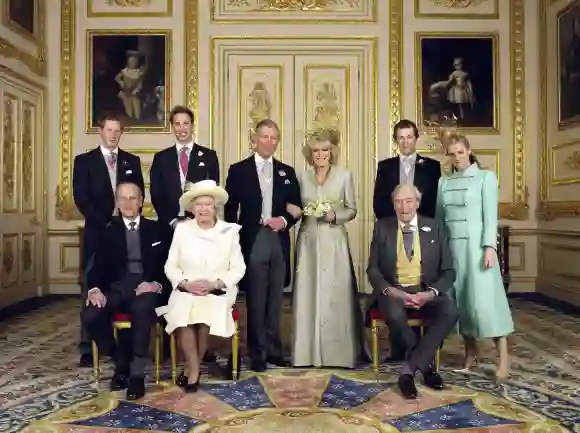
260	187
411	268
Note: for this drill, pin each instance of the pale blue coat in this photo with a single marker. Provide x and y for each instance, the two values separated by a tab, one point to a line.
468	203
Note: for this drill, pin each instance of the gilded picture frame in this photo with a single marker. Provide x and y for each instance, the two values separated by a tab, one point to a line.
457	76
21	16
568	63
129	73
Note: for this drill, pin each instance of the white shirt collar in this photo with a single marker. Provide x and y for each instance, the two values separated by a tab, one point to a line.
409	158
259	160
413	224
180	146
107	152
127	221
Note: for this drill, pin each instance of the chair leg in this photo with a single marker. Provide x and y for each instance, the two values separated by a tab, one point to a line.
375	344
96	368
235	353
437	359
158	343
173	352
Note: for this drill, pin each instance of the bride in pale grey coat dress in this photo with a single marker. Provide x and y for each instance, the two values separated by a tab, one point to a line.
327	318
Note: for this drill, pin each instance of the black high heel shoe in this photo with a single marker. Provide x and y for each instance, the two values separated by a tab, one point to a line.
181	379
192	387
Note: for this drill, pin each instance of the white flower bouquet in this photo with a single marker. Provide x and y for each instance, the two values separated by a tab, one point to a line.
317	209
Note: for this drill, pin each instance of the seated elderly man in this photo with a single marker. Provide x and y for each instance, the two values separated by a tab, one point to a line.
127	277
411	268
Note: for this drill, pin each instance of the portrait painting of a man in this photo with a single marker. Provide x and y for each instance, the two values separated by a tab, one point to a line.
569	65
129	74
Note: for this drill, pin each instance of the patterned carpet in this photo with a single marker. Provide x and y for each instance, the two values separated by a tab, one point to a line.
42	390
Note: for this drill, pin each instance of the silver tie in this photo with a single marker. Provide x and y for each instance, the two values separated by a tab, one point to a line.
408	239
267	169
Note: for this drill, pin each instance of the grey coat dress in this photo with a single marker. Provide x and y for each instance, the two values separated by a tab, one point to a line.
327	318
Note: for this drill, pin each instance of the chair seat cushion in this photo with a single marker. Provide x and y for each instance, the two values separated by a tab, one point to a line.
121	317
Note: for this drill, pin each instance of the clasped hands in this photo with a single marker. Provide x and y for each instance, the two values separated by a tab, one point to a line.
200	287
296	212
413	301
275	224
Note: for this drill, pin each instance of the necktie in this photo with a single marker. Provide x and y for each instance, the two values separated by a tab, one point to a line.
267	169
132	226
407	164
408	239
112	160
184	161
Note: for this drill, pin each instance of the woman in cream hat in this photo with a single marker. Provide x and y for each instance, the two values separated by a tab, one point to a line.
204	266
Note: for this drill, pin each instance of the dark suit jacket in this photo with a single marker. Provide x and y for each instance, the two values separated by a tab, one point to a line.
427	174
165	183
111	258
92	189
437	269
243	187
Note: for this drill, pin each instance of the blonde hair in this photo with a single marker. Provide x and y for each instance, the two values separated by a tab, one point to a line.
320	136
450	136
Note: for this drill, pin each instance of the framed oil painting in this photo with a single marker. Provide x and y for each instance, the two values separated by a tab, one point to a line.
129	74
457	78
569	65
22	17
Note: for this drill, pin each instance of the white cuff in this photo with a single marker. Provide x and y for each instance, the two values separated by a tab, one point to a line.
434	290
285	222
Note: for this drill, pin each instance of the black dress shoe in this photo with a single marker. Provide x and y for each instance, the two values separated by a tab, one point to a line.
277	361
181	379
119	381
136	388
209	357
433	380
258	366
86	360
190	388
407	386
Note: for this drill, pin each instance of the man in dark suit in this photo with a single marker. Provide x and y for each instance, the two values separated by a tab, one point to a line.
411	268
414	169
185	161
127	277
260	187
96	175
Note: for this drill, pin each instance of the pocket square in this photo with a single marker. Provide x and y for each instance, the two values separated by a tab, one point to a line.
154	244
129	172
432	241
286	182
201	164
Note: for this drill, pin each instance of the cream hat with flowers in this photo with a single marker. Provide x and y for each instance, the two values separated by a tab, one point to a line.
200	189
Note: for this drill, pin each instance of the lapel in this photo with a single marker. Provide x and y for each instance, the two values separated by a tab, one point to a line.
419	178
174	171
120	166
120	239
396	169
392	227
424	242
193	158
252	173
145	241
277	180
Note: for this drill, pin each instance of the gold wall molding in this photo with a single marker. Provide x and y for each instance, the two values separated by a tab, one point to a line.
294	11
65	207
395	71
547	209
35	62
572	161
457	9
128	3
129	9
457	4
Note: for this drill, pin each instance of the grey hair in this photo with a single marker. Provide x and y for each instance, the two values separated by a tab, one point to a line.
403	186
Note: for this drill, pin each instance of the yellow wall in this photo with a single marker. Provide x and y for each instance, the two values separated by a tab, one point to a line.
559	226
389	55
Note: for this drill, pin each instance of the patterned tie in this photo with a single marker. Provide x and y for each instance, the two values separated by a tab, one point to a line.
132	226
408	239
184	160
112	160
267	169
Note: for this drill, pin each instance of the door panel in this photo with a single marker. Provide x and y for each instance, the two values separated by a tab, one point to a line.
21	233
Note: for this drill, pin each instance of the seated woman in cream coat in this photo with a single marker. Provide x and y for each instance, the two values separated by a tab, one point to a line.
204	266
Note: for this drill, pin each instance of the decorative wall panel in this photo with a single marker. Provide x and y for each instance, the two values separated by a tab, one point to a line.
457	9
10	195
10	258
28	146
294	10
28	255
129	8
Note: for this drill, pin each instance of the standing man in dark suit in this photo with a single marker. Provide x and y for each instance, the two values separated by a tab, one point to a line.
96	175
260	187
407	168
410	268
185	161
127	277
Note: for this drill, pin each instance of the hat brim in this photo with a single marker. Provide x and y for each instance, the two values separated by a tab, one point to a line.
217	193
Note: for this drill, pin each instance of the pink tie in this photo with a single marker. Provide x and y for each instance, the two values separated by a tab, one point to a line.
183	161
112	160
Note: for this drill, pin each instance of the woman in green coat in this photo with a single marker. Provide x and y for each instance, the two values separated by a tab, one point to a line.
468	205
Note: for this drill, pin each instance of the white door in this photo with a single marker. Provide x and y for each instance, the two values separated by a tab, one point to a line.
21	194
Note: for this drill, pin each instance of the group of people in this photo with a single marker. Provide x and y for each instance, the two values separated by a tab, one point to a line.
433	250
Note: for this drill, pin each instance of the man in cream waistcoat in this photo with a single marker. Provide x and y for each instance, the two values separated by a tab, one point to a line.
411	268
